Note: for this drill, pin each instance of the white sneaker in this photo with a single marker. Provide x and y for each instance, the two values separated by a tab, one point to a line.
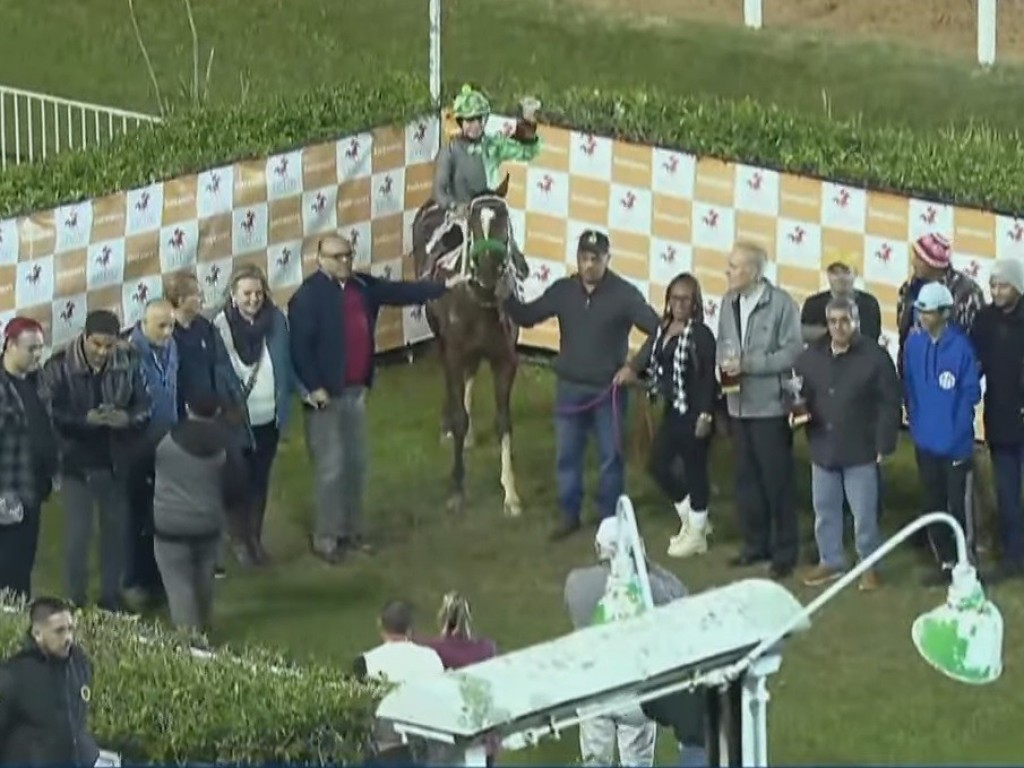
690	541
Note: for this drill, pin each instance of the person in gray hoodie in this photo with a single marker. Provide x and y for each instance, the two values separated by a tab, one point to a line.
201	477
759	341
634	732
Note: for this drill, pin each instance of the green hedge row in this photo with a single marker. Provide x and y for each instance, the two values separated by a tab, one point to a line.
972	166
153	702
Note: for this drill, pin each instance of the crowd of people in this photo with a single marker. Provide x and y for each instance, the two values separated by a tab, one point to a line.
168	431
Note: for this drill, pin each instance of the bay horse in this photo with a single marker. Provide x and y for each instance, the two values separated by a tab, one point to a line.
470	327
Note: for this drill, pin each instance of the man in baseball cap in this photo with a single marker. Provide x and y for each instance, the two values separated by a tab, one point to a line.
942	387
596	310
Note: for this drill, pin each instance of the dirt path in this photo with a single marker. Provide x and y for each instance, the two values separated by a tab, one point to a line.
939	25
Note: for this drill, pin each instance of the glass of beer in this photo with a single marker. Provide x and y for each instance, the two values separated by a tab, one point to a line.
728	357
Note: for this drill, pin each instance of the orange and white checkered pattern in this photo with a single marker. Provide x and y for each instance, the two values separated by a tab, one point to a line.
113	252
668	212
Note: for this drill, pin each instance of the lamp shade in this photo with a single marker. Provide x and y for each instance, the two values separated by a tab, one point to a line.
963	638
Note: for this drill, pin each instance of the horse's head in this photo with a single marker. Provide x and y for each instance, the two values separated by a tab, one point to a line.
490	241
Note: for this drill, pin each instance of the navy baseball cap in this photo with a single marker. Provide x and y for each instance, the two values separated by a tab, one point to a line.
592	241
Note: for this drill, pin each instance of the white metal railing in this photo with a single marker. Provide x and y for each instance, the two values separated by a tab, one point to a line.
36	125
753	17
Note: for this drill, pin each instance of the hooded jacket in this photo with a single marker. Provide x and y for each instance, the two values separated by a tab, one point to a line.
942	386
44	709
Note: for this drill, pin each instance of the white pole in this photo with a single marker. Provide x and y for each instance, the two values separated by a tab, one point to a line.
752	13
987	32
435	52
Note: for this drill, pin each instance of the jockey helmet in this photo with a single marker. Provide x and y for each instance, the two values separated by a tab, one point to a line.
470	104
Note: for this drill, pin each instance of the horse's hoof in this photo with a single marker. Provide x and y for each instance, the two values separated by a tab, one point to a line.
513	508
456	504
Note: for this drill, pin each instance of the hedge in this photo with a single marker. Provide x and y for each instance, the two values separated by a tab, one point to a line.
152	701
972	166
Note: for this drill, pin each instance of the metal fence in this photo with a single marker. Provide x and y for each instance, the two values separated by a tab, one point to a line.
34	126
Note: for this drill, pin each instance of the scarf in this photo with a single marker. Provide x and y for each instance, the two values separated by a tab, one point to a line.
656	370
249	337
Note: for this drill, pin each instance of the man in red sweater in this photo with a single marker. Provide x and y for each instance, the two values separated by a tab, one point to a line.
333	318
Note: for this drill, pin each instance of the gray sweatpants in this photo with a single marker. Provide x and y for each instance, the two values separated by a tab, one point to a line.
336	441
81	497
187	570
630	729
859	486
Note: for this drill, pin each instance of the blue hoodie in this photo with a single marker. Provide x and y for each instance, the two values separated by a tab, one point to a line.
942	384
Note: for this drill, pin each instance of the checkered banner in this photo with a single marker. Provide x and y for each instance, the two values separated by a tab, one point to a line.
113	252
668	212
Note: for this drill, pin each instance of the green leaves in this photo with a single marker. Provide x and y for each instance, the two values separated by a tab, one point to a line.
153	702
974	166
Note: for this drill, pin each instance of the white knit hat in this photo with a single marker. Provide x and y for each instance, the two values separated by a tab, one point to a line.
1009	271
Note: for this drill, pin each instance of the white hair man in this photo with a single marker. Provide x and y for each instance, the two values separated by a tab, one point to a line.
759	340
584	588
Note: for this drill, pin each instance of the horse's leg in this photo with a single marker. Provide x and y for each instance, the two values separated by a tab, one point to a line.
456	381
503	368
467	403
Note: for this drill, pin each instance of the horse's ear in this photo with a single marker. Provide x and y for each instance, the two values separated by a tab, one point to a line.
502	190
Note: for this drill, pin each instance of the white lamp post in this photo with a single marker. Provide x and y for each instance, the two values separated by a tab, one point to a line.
962	638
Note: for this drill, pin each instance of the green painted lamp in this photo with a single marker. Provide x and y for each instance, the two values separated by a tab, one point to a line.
963	638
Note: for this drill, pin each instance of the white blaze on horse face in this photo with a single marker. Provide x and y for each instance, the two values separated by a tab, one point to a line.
486	217
513	506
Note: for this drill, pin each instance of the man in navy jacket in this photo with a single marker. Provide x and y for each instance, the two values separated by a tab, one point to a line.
942	383
333	318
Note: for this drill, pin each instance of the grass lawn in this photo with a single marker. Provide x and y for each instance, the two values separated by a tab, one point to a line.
852	690
87	50
841	686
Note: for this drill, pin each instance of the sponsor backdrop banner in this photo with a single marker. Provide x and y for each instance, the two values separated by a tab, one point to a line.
665	211
113	252
668	212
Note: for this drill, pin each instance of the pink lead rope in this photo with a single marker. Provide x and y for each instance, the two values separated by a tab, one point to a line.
613	391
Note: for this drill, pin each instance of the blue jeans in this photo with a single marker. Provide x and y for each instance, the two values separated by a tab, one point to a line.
859	486
692	757
1006	466
576	414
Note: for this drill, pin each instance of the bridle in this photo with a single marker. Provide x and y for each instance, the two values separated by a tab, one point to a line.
471	247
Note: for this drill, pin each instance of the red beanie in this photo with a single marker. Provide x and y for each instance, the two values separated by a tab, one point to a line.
19	325
934	250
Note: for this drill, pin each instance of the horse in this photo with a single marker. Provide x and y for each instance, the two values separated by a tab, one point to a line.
470	327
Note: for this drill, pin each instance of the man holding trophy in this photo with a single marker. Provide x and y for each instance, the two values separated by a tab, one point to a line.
845	389
759	340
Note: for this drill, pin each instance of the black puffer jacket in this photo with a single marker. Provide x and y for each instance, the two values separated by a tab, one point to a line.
44	709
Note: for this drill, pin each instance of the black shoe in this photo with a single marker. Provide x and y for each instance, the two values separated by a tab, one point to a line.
780	572
219	573
564	531
745	561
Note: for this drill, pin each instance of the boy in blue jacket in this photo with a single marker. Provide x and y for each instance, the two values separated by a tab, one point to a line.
942	385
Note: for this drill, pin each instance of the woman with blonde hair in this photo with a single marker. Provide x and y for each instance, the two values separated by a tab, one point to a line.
255	333
456	644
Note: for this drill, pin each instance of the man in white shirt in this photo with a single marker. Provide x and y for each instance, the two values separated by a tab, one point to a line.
398	659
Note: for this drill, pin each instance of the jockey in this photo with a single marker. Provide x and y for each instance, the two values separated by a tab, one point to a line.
469	166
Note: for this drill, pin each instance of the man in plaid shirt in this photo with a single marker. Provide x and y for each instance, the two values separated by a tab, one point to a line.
28	452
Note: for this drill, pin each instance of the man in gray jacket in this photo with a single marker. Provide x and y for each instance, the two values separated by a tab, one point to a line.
584	588
759	340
